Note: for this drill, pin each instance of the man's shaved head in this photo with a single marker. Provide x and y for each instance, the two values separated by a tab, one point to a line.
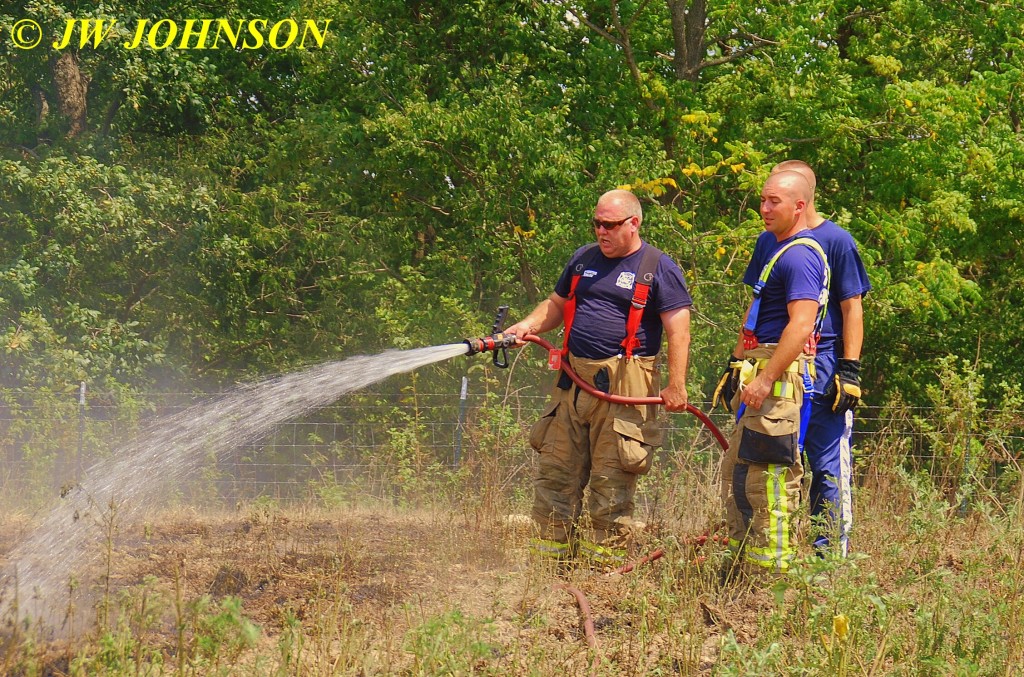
797	166
794	182
624	200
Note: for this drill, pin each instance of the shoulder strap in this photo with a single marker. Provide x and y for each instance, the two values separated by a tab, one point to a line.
767	270
749	340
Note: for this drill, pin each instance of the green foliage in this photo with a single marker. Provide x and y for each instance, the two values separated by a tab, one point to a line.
493	457
927	590
123	649
963	443
214	215
836	616
290	644
451	644
220	634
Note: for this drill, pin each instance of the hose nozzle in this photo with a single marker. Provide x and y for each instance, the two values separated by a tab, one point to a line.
494	342
497	342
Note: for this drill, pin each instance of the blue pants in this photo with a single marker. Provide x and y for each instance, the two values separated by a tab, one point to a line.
830	460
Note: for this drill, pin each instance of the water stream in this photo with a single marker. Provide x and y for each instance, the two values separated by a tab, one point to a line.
166	453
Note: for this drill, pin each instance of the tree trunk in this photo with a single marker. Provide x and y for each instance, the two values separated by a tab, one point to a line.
41	104
71	86
689	21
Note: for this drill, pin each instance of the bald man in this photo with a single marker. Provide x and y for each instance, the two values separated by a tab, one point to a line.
611	338
770	371
827	447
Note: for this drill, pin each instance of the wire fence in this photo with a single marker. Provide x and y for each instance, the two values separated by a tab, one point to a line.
392	445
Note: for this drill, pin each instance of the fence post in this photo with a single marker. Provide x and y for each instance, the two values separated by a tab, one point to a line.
462	421
81	432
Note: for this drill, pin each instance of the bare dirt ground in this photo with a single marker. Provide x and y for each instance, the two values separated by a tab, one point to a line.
385	592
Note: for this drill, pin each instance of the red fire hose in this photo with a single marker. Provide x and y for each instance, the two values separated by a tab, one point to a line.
588	622
621	399
581	600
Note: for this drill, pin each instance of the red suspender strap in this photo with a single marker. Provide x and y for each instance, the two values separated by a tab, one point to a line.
636	312
569	312
569	309
641	289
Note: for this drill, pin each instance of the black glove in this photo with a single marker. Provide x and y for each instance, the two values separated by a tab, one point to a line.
727	385
844	390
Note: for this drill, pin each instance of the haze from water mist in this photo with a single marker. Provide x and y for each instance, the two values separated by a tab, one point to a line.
168	451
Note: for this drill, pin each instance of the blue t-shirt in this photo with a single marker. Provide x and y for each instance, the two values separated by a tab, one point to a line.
796	276
603	298
849	278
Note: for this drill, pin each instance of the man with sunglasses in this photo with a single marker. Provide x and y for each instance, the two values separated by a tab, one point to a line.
616	297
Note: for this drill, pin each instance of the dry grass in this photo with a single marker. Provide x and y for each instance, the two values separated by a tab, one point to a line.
377	590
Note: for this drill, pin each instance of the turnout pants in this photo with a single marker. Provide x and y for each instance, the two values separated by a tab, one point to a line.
583	441
762	469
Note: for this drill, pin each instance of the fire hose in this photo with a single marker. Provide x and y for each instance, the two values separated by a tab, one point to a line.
498	343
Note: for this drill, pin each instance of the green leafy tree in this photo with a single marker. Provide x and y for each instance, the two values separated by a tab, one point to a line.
206	213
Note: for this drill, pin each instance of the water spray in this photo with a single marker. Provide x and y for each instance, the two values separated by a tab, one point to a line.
137	475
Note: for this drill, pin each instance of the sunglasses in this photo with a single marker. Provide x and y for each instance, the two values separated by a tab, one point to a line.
609	225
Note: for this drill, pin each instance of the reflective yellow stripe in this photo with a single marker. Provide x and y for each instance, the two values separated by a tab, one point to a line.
779	551
782	389
600	554
778	511
545	548
762	557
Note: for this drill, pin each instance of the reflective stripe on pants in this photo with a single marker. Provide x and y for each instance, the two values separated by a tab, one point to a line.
762	498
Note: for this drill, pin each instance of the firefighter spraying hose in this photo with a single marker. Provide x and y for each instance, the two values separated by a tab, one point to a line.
617	298
498	344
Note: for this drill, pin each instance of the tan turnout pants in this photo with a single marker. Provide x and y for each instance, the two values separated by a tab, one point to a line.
582	440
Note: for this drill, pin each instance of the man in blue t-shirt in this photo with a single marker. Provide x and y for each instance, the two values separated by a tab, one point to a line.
582	439
837	380
769	373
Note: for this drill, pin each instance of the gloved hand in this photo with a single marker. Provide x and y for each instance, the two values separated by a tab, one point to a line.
844	390
727	386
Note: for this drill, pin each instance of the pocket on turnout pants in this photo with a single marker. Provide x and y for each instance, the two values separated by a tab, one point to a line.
634	454
758	447
539	431
772	437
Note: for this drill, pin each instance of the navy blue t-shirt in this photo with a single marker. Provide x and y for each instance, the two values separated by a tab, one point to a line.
603	297
797	275
849	278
